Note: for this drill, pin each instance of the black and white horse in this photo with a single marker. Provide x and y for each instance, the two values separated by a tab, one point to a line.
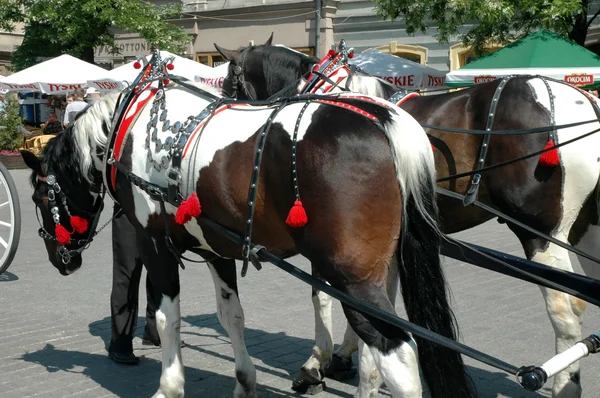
347	153
557	194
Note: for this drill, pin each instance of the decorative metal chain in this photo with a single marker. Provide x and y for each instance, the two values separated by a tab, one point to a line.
180	131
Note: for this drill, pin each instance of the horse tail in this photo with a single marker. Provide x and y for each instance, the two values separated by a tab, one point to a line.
422	279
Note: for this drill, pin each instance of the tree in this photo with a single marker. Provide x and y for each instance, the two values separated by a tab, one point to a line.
498	21
11	137
55	27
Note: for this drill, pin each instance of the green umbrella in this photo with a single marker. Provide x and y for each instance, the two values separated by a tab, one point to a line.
542	53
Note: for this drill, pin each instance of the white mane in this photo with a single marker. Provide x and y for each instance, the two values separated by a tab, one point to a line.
89	134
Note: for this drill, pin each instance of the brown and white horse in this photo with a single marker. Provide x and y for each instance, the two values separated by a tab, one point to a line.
561	201
351	153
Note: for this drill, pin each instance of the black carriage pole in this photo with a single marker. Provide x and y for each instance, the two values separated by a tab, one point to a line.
366	308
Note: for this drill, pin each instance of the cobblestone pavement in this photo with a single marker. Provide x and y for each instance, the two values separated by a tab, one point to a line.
54	329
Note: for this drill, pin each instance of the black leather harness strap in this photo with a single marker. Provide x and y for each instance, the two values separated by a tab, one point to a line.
471	194
552	133
252	191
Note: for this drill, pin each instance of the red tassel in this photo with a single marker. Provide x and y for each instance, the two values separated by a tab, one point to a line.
79	224
432	147
187	209
297	216
62	235
550	158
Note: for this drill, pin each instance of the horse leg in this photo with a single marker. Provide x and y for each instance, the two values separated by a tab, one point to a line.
393	352
370	380
341	367
566	316
309	379
231	317
163	271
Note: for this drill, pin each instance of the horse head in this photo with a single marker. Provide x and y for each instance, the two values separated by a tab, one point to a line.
258	72
67	185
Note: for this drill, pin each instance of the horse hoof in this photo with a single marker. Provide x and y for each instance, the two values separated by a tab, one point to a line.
308	381
340	369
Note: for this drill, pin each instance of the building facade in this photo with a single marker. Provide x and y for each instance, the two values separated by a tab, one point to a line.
9	41
236	23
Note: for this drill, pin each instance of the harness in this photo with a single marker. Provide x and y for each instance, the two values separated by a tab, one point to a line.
56	197
184	133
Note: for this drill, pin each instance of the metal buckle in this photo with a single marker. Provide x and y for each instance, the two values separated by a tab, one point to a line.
173	176
476	179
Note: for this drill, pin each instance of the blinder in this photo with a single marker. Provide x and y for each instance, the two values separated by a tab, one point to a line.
239	83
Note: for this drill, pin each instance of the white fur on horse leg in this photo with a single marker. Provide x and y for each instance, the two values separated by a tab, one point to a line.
399	370
566	315
323	348
370	381
168	324
231	317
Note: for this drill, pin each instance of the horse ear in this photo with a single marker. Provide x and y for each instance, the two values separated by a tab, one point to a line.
269	40
229	55
32	161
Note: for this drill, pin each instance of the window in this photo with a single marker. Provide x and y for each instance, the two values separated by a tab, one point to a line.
416	54
461	55
210	59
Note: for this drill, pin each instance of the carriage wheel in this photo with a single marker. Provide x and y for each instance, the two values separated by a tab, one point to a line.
10	219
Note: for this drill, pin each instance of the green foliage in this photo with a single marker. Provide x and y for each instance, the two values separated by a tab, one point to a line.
486	21
55	27
10	137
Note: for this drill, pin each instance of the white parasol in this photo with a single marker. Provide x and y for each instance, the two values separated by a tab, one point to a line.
398	71
58	75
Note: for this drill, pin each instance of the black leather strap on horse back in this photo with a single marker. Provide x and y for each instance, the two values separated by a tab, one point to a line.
471	194
294	147
116	123
253	189
551	133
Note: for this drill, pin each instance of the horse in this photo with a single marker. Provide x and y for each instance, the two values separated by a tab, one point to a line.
560	199
345	153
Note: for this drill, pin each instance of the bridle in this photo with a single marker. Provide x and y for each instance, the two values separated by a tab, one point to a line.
238	82
56	198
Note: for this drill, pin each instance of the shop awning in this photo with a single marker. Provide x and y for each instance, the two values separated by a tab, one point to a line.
398	71
58	75
542	53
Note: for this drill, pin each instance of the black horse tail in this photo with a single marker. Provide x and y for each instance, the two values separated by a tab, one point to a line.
424	291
